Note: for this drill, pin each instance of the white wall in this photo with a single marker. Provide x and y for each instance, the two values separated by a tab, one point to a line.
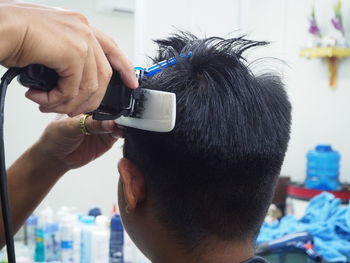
162	17
319	113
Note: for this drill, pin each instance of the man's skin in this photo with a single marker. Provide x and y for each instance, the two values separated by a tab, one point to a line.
65	41
61	147
154	239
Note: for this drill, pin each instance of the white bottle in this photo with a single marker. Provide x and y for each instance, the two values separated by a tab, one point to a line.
45	244
88	226
30	226
67	228
76	240
100	241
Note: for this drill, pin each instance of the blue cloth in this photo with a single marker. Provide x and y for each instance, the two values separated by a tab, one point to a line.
325	219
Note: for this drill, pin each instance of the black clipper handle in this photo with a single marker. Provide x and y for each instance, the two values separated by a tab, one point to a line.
36	76
118	99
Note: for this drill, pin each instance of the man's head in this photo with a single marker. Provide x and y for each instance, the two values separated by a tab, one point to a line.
212	176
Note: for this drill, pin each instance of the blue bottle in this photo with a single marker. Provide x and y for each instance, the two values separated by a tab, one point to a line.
39	254
116	240
323	168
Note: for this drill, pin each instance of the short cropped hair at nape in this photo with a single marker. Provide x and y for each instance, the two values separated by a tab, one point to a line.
214	174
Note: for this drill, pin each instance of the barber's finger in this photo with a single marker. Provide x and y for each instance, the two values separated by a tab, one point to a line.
117	59
104	74
102	127
71	127
40	97
91	104
67	89
88	86
34	6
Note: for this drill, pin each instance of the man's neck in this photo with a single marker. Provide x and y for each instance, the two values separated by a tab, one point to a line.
213	251
161	245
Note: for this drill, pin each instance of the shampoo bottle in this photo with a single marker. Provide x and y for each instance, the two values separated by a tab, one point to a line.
88	226
116	240
67	228
100	241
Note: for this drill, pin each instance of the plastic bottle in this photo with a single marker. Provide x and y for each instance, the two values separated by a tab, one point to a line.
88	226
51	235
47	237
23	254
30	226
116	240
76	240
20	236
323	168
100	241
64	211
51	242
39	253
67	235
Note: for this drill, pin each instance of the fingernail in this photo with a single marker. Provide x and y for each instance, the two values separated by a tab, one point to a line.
135	82
114	136
106	125
73	114
117	134
131	80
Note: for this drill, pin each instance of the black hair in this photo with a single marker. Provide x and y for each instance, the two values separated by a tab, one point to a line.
215	173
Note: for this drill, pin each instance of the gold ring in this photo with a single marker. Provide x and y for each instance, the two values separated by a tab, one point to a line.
82	124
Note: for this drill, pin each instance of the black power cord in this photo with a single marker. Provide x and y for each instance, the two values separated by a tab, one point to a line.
33	76
6	213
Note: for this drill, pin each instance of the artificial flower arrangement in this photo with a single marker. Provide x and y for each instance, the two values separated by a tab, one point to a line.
319	40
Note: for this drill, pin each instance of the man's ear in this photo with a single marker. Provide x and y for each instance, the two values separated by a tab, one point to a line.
133	183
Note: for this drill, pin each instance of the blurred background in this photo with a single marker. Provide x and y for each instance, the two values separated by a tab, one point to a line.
320	112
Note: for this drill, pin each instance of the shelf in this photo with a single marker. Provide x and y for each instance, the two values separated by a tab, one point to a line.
332	55
325	52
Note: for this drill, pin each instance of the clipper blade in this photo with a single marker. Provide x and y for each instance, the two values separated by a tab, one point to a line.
158	112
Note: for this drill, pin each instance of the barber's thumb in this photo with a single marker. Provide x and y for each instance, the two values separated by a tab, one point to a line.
103	127
107	126
99	127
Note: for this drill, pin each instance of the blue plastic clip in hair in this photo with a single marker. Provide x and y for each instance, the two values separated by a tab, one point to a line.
151	71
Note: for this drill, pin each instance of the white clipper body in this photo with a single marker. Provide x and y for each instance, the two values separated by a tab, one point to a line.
158	115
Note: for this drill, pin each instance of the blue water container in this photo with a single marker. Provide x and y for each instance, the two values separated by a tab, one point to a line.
323	168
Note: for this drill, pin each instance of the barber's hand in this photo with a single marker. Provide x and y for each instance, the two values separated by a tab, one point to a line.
62	40
63	142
